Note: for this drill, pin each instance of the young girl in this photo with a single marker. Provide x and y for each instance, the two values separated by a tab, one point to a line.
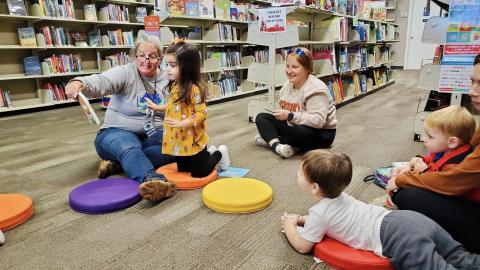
184	133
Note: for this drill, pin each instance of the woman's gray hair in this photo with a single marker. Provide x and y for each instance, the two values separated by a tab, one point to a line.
146	38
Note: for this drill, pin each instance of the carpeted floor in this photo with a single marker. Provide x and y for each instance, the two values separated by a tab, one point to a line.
46	154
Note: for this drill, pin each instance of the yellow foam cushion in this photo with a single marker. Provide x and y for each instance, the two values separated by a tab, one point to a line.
237	195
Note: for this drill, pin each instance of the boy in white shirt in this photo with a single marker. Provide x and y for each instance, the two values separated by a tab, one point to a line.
408	239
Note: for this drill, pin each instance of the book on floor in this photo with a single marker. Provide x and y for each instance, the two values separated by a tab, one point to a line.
87	109
26	35
234	172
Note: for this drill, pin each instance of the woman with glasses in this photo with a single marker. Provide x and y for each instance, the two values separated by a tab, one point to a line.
132	134
306	119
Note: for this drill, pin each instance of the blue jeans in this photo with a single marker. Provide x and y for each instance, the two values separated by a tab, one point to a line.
138	154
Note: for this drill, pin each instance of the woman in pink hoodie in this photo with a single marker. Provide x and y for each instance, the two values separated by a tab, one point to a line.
306	119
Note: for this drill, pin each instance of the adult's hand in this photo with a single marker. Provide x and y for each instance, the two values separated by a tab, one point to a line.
391	185
73	88
281	115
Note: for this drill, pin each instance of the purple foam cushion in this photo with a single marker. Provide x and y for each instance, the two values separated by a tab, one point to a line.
104	195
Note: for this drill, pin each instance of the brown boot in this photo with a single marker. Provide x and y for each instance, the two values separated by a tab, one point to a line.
157	190
107	168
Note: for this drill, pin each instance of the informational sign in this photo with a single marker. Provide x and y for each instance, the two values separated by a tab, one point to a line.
457	65
272	20
464	22
152	25
462	45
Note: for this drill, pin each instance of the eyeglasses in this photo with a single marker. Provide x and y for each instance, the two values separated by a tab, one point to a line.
152	60
297	51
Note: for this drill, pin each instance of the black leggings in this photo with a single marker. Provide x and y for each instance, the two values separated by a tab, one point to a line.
200	164
304	137
458	216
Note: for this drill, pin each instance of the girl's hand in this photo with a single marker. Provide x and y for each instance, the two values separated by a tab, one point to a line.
388	202
178	123
281	115
73	88
152	105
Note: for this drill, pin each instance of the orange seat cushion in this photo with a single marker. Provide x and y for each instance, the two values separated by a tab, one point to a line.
343	257
14	210
184	180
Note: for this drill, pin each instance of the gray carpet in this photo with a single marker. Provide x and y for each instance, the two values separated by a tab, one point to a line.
46	154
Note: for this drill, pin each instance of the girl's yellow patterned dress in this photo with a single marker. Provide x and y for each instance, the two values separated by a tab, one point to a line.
185	141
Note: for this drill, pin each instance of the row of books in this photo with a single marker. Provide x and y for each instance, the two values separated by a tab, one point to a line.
115	12
367	9
5	98
55	91
222	9
56	8
222	32
62	64
117	37
260	55
228	58
118	59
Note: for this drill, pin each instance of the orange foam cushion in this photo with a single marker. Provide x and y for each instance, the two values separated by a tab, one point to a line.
14	210
343	257
184	180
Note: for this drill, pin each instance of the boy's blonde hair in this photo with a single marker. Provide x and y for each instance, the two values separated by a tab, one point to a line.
453	121
331	170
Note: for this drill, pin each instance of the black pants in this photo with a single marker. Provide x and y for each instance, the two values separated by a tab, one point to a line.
304	137
200	164
458	216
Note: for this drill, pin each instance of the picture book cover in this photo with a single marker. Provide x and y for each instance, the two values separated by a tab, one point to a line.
31	65
206	8
192	8
26	35
234	172
16	7
87	109
176	7
140	13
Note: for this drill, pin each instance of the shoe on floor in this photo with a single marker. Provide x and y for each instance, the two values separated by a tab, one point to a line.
260	141
2	238
285	150
107	168
224	162
212	149
156	189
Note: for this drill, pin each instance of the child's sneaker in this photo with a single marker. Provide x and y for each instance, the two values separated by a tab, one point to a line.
224	162
2	238
260	141
155	189
212	149
284	150
107	168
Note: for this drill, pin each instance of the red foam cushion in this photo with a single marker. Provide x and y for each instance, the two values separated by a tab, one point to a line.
184	180
343	257
14	210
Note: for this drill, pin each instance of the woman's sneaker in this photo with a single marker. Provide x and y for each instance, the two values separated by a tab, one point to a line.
107	168
260	141
285	150
212	149
224	162
156	189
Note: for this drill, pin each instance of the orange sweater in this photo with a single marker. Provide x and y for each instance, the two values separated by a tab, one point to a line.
459	180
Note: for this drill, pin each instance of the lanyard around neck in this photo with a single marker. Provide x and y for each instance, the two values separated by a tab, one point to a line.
145	86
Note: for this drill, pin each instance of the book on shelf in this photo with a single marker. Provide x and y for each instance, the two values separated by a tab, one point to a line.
242	14
192	8
5	99
206	8
140	13
176	7
222	9
16	7
94	38
87	109
26	36
90	12
80	39
31	65
233	13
